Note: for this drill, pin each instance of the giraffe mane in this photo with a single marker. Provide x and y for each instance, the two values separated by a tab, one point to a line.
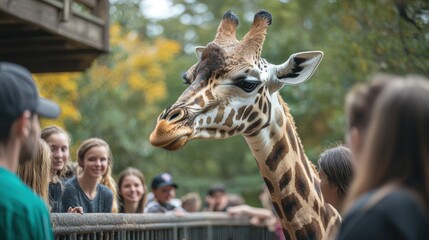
292	122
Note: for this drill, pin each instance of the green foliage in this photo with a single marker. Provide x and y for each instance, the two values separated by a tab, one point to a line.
358	38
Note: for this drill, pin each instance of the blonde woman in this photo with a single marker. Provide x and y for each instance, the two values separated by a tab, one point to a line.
59	141
35	173
84	193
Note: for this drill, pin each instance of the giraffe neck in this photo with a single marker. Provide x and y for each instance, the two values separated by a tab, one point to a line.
291	179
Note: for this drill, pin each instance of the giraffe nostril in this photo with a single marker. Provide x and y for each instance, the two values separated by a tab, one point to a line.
175	115
162	115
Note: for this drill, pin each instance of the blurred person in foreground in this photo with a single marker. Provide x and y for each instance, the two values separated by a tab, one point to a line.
389	197
23	214
36	172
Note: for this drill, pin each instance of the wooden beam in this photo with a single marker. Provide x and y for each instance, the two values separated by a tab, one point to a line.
47	16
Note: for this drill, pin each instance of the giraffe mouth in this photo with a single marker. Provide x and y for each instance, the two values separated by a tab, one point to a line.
168	137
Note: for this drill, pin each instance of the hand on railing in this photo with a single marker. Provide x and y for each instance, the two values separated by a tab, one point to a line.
258	216
75	210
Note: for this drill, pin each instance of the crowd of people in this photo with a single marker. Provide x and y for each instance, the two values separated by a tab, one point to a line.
378	180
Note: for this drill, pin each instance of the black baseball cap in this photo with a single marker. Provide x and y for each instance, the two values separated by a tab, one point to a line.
18	92
162	180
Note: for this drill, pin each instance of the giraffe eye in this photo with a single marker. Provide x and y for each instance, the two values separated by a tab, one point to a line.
247	86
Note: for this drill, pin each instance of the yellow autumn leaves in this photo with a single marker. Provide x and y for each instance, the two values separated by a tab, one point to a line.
134	66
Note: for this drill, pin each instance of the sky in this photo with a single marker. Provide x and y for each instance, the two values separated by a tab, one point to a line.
158	9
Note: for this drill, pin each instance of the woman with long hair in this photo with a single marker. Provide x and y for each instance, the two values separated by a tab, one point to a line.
59	141
132	191
84	193
389	197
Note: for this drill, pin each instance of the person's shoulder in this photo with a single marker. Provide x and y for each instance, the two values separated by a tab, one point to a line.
70	181
104	190
402	202
71	185
16	195
154	207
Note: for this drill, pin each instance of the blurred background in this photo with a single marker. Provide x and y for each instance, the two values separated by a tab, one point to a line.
152	42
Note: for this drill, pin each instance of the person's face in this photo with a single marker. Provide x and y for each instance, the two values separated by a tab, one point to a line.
59	144
330	193
164	194
95	162
29	144
218	197
131	189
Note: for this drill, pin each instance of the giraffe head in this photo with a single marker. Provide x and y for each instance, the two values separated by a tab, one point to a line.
231	89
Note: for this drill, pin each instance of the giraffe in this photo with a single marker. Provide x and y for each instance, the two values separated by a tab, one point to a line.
233	91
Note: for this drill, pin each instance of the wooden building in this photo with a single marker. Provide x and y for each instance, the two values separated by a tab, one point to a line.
53	35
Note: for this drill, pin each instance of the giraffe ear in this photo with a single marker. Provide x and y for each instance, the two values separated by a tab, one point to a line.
299	67
199	51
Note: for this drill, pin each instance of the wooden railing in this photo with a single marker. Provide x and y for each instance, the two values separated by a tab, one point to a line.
195	226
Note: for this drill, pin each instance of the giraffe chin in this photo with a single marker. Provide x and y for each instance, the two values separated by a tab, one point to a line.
171	143
176	144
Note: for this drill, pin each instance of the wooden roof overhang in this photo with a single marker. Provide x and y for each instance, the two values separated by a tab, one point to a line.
53	35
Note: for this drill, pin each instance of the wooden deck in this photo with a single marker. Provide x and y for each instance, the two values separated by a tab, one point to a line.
53	35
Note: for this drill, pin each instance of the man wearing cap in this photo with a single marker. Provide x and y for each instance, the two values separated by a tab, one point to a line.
23	215
164	192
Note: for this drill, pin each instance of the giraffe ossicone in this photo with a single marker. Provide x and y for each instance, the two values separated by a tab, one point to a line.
233	91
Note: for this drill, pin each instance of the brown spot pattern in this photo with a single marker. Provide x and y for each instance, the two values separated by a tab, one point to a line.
316	206
229	119
301	184
240	128
326	216
278	152
209	95
257	99
199	101
317	188
269	185
291	136
222	133
309	231
260	103
247	112
304	161
264	110
240	112
286	233
278	210
291	205
252	116
219	115
208	120
284	181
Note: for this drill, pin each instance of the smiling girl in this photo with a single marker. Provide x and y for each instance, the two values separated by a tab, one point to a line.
84	193
132	191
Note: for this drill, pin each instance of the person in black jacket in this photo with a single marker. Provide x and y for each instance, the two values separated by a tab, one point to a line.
389	197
